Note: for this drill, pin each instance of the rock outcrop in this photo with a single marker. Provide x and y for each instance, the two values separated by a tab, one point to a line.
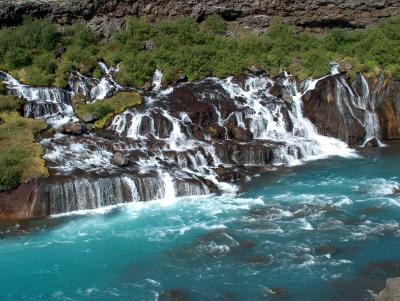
105	16
23	202
391	292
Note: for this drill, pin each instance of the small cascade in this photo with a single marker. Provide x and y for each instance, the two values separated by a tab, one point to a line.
157	80
355	104
367	103
51	104
169	187
93	89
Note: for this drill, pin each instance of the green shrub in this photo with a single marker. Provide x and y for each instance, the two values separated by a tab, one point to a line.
9	104
20	157
183	46
214	24
104	110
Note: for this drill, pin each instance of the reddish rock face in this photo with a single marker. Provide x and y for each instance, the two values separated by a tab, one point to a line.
22	202
388	109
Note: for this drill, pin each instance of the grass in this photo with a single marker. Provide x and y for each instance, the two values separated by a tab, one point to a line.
212	48
104	110
20	157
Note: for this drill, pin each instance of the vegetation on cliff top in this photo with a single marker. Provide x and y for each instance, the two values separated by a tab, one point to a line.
103	110
20	157
40	54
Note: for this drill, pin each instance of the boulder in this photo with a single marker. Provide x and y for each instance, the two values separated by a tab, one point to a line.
119	159
391	292
373	142
89	117
76	128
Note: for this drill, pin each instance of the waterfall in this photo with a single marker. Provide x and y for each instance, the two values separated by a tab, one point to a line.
157	80
371	120
51	104
191	139
92	88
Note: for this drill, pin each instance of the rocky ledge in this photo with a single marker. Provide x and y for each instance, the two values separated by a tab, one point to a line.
104	16
391	292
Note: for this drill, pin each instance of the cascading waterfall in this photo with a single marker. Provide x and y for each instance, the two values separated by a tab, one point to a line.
51	104
348	99
190	139
371	120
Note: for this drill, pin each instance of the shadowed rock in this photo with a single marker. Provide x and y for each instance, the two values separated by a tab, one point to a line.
174	295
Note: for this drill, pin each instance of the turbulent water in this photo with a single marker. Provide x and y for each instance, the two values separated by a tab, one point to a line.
213	229
327	230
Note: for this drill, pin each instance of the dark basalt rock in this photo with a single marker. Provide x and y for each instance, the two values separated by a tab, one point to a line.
75	128
276	292
174	295
330	109
107	16
326	249
373	142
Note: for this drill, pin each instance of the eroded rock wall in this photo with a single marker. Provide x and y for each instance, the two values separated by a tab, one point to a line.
106	15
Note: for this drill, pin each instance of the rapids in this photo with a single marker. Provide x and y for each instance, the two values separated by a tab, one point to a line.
326	230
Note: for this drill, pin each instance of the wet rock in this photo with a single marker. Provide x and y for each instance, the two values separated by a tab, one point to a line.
373	142
89	117
396	191
371	210
322	107
147	87
239	133
77	128
25	201
259	260
174	295
384	268
277	292
391	292
326	249
119	159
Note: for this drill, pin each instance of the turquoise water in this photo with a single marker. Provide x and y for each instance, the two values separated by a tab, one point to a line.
327	230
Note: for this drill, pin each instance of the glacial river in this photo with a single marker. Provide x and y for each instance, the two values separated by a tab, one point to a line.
325	230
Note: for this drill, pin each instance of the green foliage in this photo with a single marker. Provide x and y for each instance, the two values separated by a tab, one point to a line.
215	24
3	88
197	50
104	110
20	157
9	104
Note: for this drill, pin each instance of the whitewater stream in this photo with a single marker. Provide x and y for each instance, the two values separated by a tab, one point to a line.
327	230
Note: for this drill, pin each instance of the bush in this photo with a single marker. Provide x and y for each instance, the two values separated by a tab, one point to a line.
214	24
183	46
9	104
20	157
104	110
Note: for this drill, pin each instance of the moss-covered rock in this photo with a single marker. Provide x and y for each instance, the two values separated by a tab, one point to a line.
102	111
20	157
